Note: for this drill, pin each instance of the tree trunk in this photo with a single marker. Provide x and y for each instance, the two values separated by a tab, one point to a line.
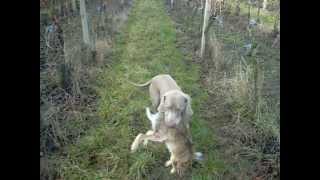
171	4
67	9
103	14
264	5
74	6
221	4
276	24
204	27
65	67
59	10
84	21
258	14
237	8
249	8
85	26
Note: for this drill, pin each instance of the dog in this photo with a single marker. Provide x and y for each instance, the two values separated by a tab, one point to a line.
168	98
177	142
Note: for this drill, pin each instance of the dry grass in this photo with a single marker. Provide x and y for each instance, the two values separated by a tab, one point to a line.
68	85
243	103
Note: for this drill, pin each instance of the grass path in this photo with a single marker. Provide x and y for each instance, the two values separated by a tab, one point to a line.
146	47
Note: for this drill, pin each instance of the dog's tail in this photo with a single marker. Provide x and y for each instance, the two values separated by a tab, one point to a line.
198	156
140	85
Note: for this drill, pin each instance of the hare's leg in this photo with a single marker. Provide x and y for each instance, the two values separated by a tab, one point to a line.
169	162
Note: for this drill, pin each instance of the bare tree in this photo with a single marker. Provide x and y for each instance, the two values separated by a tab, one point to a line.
258	14
237	12
102	13
67	8
84	21
218	3
56	36
85	26
249	9
205	25
216	7
201	4
264	4
74	6
276	27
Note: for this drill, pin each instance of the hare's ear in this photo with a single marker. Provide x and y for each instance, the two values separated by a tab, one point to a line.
161	105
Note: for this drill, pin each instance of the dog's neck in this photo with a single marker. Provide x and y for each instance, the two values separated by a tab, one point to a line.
171	91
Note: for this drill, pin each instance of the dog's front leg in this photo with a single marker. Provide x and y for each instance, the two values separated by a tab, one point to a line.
154	119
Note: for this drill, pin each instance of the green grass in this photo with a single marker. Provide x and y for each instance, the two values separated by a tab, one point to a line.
146	47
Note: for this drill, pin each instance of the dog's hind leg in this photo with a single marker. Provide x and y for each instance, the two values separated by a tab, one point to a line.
155	97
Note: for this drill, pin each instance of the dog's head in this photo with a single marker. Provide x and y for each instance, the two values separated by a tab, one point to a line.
176	107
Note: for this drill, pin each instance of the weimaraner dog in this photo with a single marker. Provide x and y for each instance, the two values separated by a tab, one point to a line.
168	98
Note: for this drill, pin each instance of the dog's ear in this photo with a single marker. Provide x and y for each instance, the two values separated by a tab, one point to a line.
161	105
188	110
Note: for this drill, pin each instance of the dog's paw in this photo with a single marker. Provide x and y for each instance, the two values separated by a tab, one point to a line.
135	144
168	163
